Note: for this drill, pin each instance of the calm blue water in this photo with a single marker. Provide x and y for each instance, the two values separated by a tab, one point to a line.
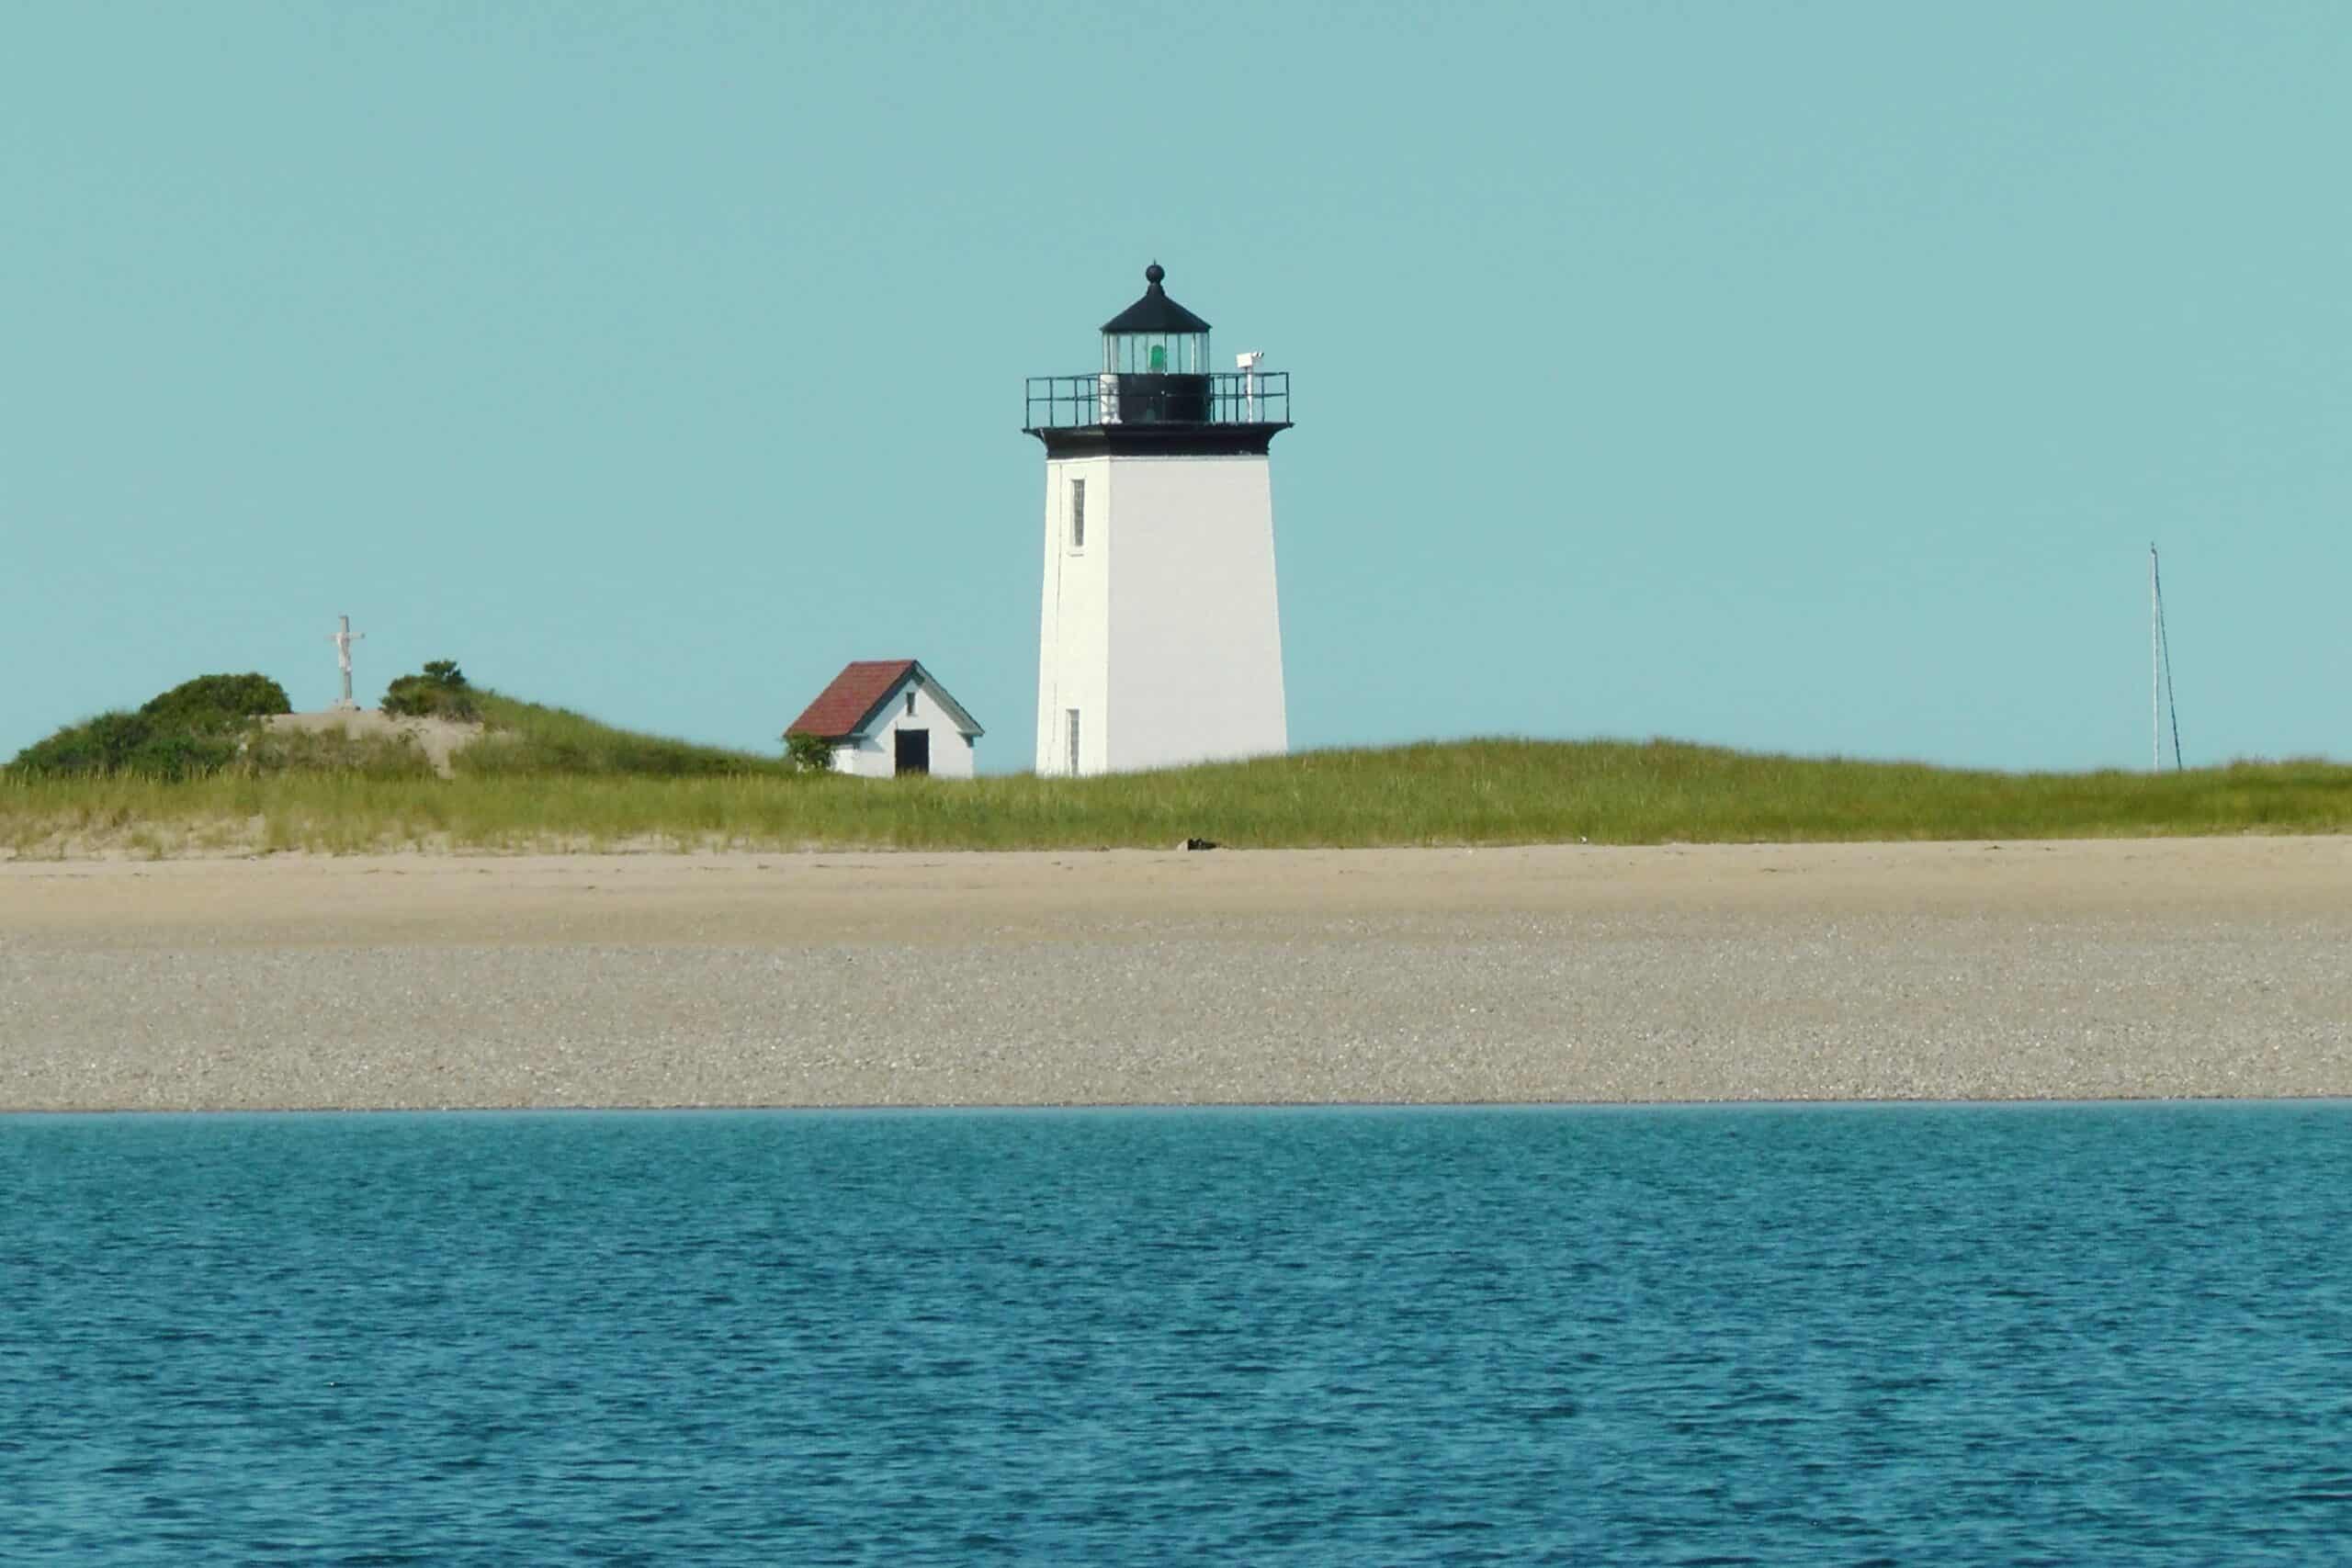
2058	1335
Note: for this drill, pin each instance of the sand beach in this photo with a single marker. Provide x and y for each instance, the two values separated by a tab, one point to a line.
2116	968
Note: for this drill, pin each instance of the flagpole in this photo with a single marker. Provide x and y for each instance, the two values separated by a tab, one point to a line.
2156	674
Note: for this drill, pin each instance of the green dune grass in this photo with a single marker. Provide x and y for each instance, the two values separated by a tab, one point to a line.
551	779
531	739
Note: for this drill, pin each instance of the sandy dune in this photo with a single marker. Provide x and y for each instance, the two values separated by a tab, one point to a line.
439	739
2124	968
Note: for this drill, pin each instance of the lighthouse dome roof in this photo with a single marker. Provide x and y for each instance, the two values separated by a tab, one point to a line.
1155	313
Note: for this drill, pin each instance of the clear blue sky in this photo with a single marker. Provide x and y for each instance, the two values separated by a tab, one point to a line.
1809	377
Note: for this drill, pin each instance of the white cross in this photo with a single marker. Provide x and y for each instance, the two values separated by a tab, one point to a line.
343	640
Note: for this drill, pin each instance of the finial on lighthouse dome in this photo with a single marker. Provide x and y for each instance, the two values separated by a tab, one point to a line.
1156	313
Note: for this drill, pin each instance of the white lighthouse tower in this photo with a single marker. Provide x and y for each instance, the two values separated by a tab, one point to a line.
1161	641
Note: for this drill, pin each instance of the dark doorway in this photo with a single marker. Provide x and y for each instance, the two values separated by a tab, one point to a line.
914	750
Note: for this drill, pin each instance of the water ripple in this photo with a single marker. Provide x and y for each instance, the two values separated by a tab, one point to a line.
1766	1335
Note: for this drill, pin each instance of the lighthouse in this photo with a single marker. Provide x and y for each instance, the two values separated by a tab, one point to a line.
1160	638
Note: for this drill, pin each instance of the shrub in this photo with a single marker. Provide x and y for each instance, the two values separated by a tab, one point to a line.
808	753
198	727
132	743
440	691
217	702
100	745
185	754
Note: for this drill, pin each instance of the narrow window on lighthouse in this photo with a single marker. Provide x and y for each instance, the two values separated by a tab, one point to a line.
1077	515
1072	713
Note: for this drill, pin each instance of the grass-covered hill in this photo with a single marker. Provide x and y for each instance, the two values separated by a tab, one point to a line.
528	740
198	726
215	727
544	778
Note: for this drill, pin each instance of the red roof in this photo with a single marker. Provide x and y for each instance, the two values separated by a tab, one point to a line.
856	692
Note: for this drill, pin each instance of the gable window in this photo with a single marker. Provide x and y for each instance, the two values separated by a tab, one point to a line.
910	702
1077	515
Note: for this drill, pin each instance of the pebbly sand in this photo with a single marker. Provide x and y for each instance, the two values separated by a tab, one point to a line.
2132	968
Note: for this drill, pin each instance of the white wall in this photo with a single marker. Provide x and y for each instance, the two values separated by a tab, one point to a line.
874	755
1073	634
1195	656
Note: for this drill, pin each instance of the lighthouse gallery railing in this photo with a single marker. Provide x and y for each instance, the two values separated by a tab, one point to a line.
1058	402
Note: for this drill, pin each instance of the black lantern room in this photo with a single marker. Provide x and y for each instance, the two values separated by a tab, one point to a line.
1155	336
1156	360
1158	389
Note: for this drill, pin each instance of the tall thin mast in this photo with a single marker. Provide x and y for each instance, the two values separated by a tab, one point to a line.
2164	660
2155	672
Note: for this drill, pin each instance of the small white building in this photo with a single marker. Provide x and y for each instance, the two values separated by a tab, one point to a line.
888	717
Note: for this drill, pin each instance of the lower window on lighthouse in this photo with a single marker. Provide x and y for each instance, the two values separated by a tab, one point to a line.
1072	713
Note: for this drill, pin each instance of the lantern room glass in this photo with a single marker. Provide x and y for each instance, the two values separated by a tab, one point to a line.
1156	354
